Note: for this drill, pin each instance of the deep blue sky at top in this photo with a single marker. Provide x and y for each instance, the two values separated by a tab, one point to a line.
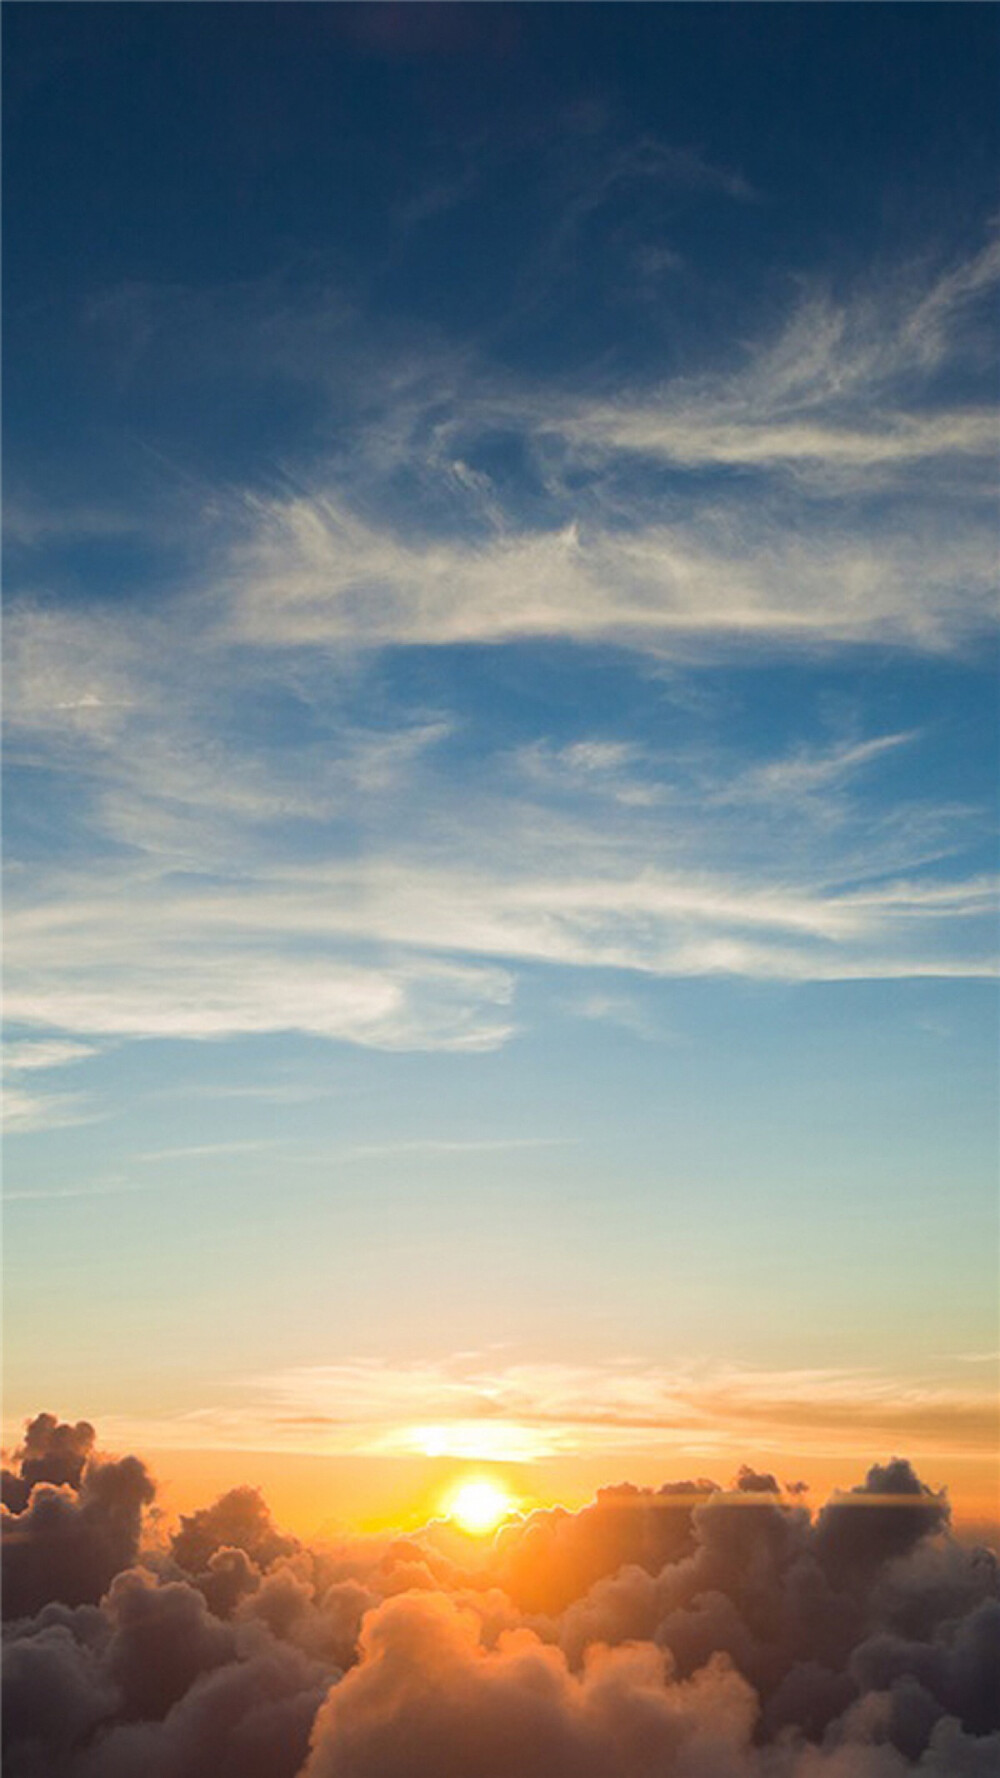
419	159
183	144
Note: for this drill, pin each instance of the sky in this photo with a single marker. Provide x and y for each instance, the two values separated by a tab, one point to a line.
500	808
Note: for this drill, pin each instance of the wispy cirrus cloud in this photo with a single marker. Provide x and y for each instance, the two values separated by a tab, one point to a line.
799	777
167	974
25	1112
449	1145
843	386
31	1054
695	440
316	575
335	878
849	399
479	1406
27	1109
284	953
205	1150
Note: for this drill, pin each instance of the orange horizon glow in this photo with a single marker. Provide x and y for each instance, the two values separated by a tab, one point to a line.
322	1497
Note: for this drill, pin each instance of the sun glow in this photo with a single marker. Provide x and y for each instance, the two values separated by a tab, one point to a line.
473	1441
478	1506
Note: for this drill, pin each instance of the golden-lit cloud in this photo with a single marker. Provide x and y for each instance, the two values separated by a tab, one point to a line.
474	1409
484	1440
718	1630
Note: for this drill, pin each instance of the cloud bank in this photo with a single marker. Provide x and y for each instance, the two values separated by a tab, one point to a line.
684	1632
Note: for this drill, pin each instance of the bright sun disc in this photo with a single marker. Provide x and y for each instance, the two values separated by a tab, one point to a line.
478	1506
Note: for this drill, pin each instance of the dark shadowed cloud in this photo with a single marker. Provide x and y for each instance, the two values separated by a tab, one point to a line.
684	1632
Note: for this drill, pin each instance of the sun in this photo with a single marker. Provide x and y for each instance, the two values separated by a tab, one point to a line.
478	1506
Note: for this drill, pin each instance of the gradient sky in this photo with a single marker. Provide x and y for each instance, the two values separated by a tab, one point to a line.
501	729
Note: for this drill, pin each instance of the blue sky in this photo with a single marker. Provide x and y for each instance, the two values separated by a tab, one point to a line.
501	761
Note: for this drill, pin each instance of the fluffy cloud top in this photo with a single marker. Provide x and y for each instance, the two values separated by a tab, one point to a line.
688	1632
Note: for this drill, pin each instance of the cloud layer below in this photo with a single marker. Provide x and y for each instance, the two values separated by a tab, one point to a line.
688	1632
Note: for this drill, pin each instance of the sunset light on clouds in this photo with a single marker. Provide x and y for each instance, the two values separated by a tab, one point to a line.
500	834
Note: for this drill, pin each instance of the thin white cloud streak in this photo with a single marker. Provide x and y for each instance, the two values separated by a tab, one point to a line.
281	954
158	769
26	1113
73	673
170	782
801	783
977	896
623	1010
516	1411
443	1145
265	1092
315	575
806	772
173	974
29	1055
607	768
871	356
418	1145
841	401
928	328
203	1150
694	439
56	1193
626	920
844	396
26	1110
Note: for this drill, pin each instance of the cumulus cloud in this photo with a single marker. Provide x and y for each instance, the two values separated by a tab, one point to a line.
426	1693
66	1543
682	1632
238	1520
51	1451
